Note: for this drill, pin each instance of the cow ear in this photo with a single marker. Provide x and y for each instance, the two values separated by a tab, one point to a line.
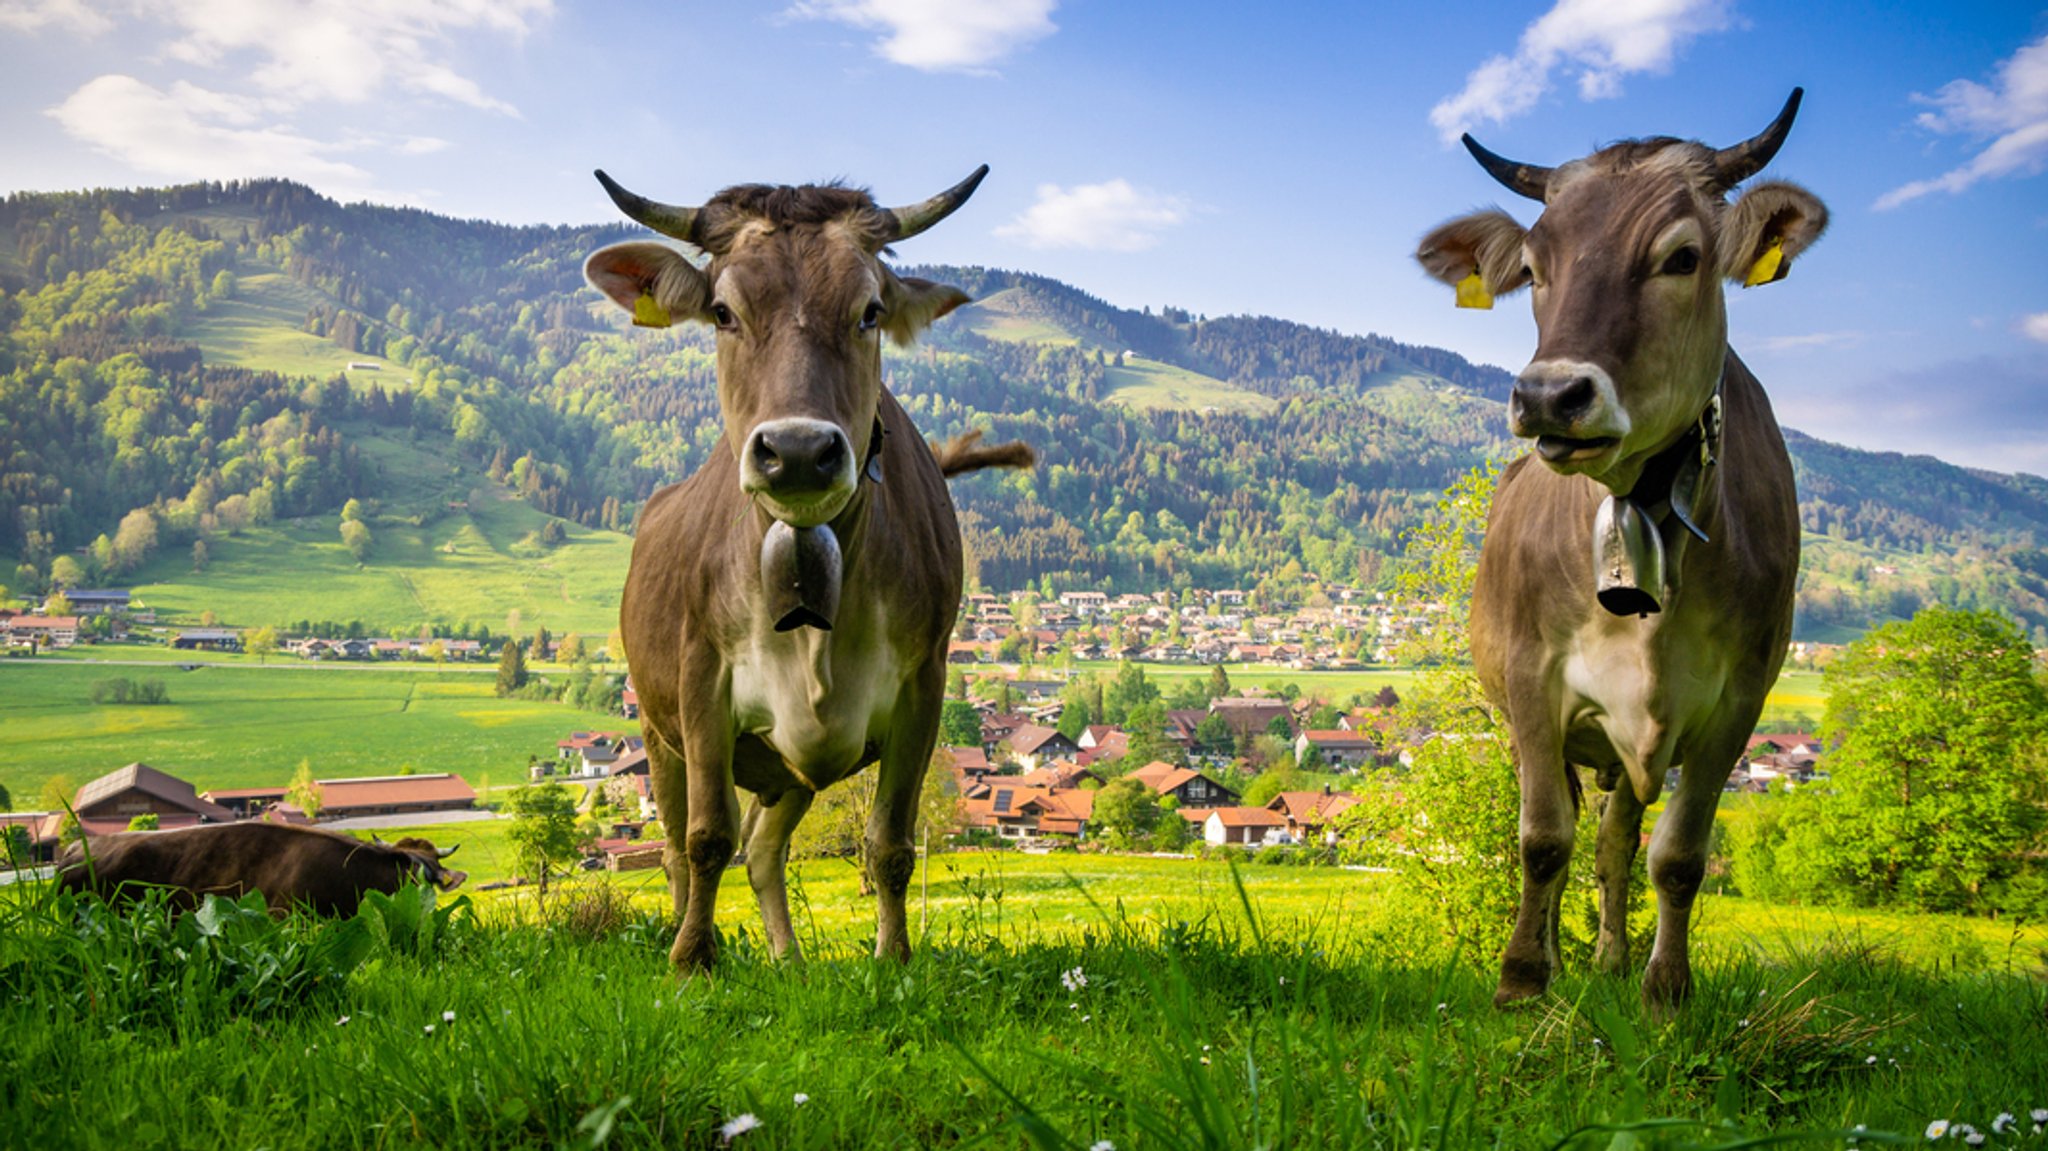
1479	254
656	284
1762	232
910	305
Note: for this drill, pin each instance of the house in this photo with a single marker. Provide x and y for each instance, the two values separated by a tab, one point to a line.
1186	786
41	630
1032	745
208	639
108	803
1112	746
593	750
1337	747
40	849
387	795
629	700
1251	716
1244	827
1030	813
106	601
630	854
1308	813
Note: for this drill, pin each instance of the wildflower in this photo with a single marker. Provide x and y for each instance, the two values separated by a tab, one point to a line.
1086	1018
800	1098
2039	1115
430	1029
447	1017
341	1022
738	1125
1937	1129
1870	1060
1102	1145
1974	1138
2005	1122
1073	980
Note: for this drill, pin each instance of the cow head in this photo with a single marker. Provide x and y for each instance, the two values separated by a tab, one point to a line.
1624	264
428	857
800	299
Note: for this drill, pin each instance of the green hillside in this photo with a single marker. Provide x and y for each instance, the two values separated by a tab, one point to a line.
174	373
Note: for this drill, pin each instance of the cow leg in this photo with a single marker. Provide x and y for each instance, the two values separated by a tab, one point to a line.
1678	862
709	840
1548	815
672	803
1614	860
892	854
768	864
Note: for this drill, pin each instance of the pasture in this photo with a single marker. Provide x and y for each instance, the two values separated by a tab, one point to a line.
248	725
1053	1003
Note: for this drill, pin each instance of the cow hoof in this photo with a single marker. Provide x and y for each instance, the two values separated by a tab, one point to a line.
1520	981
1666	987
693	955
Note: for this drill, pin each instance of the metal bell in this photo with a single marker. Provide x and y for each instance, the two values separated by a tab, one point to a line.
1628	559
800	571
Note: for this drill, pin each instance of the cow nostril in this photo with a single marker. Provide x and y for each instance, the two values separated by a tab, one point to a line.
766	461
830	456
1576	396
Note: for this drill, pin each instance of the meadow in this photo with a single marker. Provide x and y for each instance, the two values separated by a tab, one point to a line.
242	724
1055	1002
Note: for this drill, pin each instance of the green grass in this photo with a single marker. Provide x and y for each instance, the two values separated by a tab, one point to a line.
1150	385
998	318
564	1027
248	726
477	564
264	327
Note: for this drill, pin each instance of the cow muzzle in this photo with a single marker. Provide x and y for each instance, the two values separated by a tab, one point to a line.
1569	407
801	470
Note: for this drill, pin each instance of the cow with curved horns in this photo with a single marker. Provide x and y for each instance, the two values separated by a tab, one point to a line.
1634	593
789	605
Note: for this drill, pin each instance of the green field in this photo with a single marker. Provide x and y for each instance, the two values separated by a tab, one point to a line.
476	564
249	726
1150	385
264	327
1168	1011
1001	317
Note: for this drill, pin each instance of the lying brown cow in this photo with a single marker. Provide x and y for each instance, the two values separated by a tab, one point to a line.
291	866
789	606
1634	594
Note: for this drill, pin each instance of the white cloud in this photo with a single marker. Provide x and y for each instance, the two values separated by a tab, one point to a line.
2014	116
942	35
263	61
1604	40
2035	327
344	50
1106	217
190	133
36	15
1812	340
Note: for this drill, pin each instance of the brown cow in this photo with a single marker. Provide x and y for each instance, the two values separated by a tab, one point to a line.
788	608
1634	594
291	866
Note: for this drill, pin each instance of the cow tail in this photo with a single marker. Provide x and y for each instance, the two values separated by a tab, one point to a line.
966	453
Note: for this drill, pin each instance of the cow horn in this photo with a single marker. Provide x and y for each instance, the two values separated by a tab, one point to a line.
908	222
669	220
445	852
1523	179
1738	163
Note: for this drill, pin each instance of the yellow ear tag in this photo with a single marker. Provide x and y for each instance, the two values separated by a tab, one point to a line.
1472	292
1769	267
648	314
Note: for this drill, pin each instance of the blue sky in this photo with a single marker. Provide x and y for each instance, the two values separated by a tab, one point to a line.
1223	157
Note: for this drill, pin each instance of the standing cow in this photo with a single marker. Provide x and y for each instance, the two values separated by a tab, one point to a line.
1634	594
789	606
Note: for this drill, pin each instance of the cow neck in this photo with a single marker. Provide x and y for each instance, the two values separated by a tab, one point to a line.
1631	572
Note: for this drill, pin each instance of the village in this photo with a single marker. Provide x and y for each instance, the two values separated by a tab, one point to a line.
1246	768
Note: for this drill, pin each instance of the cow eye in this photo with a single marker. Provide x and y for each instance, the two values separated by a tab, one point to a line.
872	316
723	317
1684	262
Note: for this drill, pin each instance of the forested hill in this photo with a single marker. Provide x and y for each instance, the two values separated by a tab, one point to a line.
232	358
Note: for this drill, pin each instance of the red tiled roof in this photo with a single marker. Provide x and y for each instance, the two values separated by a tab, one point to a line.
338	795
1248	817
